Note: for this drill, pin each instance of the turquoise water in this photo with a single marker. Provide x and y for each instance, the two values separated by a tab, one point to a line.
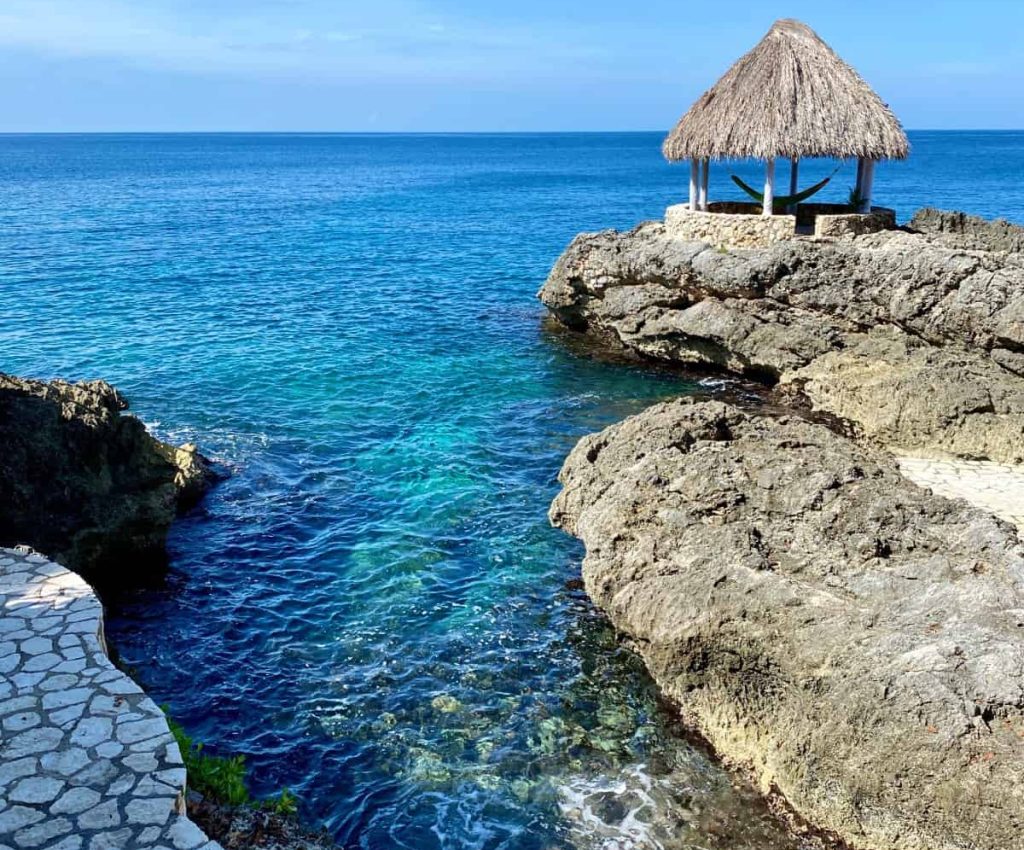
373	607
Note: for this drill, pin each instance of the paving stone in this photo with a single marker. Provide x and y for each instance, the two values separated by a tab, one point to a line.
121	686
141	762
109	749
65	717
150	786
33	742
36	789
17	817
58	681
24	681
65	762
41	662
21	721
175	777
36	646
104	816
91	731
76	800
123	784
15	769
86	759
140	730
98	772
154	810
185	835
76	665
34	836
149	835
9	706
60	699
119	840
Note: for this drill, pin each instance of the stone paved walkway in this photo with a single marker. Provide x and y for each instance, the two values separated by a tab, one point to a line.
994	487
87	761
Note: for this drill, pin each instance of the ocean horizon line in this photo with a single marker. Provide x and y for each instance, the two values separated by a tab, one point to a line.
407	133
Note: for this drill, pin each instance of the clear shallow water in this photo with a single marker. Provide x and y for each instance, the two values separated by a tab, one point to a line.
373	607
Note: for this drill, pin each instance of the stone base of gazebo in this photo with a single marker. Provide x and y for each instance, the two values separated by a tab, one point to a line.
836	221
733	224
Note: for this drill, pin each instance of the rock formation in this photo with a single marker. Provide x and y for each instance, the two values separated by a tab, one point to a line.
960	230
945	304
854	640
85	484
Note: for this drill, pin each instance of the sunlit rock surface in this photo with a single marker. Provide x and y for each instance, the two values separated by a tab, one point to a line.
854	640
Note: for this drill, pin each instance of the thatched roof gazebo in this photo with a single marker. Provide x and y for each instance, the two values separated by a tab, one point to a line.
790	97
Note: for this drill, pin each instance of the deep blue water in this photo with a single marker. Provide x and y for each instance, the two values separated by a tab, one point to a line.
373	607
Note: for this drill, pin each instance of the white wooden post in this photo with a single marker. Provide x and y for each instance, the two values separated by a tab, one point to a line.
794	180
705	165
769	187
694	181
867	183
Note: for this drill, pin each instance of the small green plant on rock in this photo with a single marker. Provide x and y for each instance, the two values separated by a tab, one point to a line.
286	803
223	778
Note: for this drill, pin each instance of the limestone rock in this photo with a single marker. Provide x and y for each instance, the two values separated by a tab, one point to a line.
86	484
941	294
960	230
909	396
798	311
853	639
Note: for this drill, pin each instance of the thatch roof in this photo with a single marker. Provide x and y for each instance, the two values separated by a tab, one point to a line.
791	96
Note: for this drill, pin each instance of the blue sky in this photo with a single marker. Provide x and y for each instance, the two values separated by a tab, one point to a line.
438	65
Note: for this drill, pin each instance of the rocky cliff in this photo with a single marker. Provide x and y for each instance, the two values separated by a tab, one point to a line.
85	484
855	641
960	230
945	305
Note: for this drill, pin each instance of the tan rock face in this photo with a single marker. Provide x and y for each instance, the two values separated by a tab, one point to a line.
86	484
853	639
908	396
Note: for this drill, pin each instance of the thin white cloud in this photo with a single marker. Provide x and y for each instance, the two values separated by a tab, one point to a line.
389	38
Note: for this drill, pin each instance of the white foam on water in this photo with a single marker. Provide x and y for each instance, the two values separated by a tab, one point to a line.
579	797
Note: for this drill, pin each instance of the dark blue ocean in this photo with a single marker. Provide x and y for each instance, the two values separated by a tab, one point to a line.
373	607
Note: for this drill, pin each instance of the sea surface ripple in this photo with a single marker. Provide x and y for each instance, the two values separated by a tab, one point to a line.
373	607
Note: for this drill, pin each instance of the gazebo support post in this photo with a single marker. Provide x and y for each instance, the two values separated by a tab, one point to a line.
705	166
694	182
867	182
794	178
859	185
769	187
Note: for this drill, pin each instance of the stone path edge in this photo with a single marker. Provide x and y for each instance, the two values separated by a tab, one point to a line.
87	760
994	487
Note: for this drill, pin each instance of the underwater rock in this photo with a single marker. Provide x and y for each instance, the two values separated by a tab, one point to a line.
854	640
446	704
86	485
